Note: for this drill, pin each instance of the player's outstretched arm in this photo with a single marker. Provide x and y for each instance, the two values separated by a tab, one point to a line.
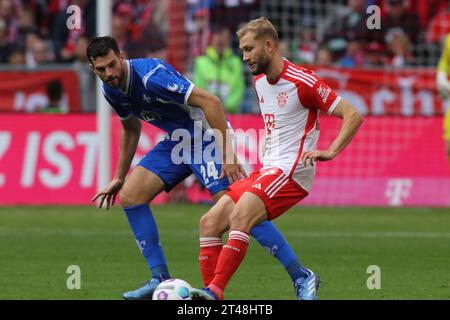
351	121
129	138
212	108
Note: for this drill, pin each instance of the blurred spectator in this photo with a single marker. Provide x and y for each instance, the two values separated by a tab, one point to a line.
425	10
324	57
398	19
439	26
219	71
40	54
16	56
285	49
4	46
355	56
26	24
400	47
30	38
231	14
147	38
80	50
201	35
55	97
86	77
352	24
289	15
375	54
9	13
121	26
305	48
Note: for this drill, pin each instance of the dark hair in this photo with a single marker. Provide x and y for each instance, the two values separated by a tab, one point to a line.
100	47
54	90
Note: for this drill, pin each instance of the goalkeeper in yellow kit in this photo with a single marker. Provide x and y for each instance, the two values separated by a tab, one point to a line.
443	84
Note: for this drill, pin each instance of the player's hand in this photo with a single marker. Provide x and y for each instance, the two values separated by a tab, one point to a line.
309	157
234	170
109	193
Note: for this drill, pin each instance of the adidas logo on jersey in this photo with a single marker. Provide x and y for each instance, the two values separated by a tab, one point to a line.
257	186
262	99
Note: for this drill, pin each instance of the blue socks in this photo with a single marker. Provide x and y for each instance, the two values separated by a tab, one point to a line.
145	231
270	238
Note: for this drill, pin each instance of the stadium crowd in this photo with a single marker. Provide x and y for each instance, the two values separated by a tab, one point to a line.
315	32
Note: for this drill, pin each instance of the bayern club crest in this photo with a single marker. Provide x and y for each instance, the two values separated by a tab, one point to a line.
282	98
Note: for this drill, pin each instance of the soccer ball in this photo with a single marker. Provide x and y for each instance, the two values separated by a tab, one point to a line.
173	289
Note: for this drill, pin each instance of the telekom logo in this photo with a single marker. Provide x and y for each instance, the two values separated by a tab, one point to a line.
397	190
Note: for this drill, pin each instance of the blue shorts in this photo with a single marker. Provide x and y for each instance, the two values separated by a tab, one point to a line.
160	161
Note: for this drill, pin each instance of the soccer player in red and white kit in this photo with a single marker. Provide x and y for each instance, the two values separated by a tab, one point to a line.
290	98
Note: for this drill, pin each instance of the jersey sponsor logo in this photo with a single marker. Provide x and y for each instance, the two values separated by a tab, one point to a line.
269	122
282	98
148	116
172	87
324	92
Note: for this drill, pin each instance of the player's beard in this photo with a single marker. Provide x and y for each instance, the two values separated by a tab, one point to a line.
262	65
120	79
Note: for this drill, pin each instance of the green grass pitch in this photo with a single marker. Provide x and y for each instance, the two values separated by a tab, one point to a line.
410	245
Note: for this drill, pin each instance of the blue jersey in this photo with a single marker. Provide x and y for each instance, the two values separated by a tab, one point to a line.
157	94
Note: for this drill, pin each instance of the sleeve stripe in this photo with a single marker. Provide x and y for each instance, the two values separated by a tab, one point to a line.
145	79
300	78
188	93
334	104
300	72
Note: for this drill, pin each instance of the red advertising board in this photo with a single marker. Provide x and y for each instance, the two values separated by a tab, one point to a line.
22	91
406	92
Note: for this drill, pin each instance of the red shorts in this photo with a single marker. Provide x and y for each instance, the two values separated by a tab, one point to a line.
276	190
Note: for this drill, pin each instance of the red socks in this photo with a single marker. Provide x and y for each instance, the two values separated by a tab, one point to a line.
210	248
229	260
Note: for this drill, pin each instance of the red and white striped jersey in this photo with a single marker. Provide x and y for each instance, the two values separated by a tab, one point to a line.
290	108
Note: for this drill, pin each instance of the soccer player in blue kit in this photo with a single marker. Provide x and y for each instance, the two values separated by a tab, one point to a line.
153	91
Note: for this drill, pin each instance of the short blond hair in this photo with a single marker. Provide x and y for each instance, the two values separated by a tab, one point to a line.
260	27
